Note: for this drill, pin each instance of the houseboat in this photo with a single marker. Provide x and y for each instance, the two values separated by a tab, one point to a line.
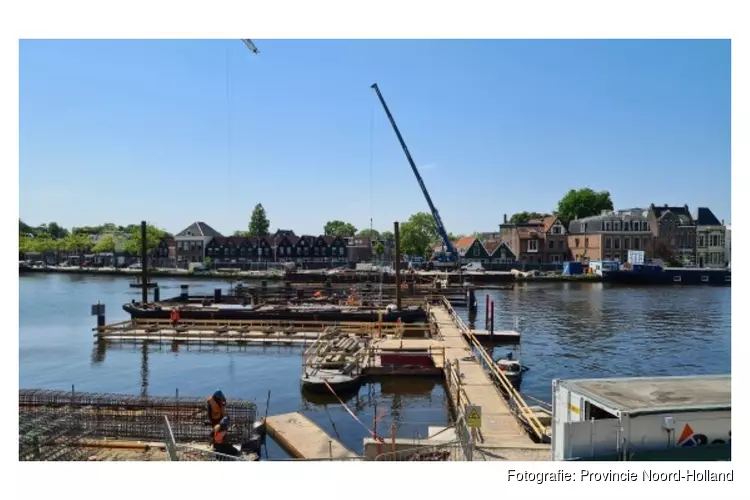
653	274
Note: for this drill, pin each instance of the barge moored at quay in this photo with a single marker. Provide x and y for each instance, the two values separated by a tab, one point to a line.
651	274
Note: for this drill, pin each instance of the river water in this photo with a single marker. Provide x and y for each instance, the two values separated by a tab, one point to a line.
569	330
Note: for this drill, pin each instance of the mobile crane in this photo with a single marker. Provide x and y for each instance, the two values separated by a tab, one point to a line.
448	257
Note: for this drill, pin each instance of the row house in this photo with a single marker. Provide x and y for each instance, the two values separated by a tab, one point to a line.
235	250
675	230
610	235
711	240
191	242
165	253
473	249
537	241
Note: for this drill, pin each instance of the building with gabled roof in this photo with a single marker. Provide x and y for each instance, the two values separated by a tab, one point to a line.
190	243
710	239
674	233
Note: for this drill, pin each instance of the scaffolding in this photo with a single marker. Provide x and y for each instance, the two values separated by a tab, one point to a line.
104	415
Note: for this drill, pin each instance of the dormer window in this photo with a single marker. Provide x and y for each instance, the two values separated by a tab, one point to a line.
607	226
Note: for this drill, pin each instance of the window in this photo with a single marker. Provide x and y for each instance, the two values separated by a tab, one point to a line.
607	226
341	251
556	229
607	242
617	243
475	251
560	244
533	246
627	243
317	250
578	242
585	242
617	225
714	240
677	279
551	245
704	279
307	251
637	243
626	226
701	240
555	258
636	225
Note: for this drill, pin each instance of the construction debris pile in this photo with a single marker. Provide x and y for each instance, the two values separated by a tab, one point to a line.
103	415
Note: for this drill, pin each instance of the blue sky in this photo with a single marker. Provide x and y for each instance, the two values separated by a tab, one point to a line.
178	131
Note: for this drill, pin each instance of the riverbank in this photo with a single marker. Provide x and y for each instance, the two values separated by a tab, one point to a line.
478	279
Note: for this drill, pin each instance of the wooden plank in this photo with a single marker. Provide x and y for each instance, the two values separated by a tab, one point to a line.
303	438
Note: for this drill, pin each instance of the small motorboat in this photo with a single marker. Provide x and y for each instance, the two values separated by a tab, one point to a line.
511	368
138	283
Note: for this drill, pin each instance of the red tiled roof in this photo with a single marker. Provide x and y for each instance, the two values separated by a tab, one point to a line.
491	245
548	221
465	242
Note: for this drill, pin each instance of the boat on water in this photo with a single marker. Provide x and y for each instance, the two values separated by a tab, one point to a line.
512	369
654	274
280	312
333	363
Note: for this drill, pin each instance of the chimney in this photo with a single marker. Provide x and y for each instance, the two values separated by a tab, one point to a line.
722	222
505	218
666	205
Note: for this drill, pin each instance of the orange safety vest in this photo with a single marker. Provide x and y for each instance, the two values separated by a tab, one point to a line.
175	315
217	411
219	434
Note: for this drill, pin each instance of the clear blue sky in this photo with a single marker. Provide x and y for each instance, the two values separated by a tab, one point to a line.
178	131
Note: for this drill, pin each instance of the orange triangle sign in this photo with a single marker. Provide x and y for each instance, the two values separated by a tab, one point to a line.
686	433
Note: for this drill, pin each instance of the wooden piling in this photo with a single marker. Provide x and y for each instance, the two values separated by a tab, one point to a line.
144	264
397	237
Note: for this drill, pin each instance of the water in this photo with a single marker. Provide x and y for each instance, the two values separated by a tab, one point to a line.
56	350
588	330
569	330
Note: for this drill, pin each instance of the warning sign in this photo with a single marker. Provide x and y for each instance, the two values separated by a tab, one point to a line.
473	416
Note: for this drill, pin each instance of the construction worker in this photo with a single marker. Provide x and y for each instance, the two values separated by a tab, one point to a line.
318	294
174	316
219	440
216	407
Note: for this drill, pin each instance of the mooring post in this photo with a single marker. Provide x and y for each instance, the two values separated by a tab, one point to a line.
184	292
144	264
492	318
156	294
397	237
487	311
98	311
217	295
393	438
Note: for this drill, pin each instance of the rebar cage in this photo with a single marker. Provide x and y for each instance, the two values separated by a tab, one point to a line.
104	415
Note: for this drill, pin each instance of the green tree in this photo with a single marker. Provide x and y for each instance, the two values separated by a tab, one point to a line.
105	245
339	228
240	233
77	242
154	235
387	235
523	217
259	224
379	250
56	231
579	203
369	233
418	235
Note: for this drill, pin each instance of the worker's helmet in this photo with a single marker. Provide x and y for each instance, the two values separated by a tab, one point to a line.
224	421
219	396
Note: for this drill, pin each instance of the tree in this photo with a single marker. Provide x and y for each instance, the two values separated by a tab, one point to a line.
56	231
77	242
259	223
379	250
240	233
418	234
106	244
369	233
387	236
579	203
339	228
154	235
524	217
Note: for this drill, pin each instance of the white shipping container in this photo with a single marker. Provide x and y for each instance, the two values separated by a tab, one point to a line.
602	417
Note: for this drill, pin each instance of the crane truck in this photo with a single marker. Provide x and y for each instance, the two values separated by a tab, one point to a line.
448	257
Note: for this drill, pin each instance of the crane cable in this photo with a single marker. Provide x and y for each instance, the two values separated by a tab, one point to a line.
372	127
228	97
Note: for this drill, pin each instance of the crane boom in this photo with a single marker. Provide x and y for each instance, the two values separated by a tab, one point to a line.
448	246
250	45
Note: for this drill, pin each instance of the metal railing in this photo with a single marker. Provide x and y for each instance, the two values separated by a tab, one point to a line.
517	403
